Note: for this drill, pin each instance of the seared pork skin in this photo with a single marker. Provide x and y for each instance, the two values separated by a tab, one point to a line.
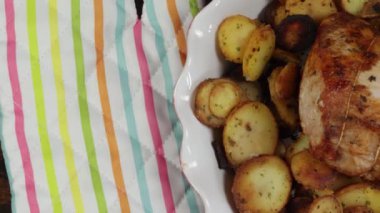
339	101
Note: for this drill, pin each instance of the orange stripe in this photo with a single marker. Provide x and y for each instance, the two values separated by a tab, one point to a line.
179	34
107	116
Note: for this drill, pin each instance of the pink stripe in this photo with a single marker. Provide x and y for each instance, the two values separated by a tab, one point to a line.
152	120
17	104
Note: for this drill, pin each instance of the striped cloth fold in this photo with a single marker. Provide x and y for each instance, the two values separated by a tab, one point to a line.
87	122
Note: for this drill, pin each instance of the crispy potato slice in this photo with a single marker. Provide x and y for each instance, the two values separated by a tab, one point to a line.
301	144
282	87
252	90
312	173
352	7
250	130
317	9
202	104
326	204
262	184
224	96
361	194
358	209
258	51
233	35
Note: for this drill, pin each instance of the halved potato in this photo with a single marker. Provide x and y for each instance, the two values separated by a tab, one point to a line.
361	194
262	184
202	104
358	209
258	51
312	173
224	96
250	131
301	144
326	204
352	6
317	9
233	35
252	90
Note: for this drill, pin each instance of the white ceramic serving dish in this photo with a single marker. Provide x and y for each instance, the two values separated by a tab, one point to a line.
203	61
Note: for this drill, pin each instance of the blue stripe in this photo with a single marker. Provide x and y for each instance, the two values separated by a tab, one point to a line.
169	86
128	108
6	161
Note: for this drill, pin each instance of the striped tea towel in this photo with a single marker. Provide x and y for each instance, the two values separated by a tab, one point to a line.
87	121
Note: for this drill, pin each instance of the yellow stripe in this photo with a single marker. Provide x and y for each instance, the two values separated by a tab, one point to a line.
40	107
62	115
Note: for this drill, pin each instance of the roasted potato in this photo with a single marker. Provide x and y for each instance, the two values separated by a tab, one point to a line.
312	173
326	204
252	90
285	56
361	194
316	9
296	33
250	131
358	209
371	9
258	51
233	35
202	104
301	144
262	184
224	96
283	85
352	7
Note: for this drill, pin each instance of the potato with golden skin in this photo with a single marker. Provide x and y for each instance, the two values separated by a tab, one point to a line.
361	194
250	131
258	51
262	184
317	9
224	96
312	173
233	35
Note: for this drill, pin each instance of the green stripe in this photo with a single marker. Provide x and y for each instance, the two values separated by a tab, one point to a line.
40	107
83	107
194	8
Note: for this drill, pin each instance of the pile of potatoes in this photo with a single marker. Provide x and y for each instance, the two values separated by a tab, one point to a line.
274	173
